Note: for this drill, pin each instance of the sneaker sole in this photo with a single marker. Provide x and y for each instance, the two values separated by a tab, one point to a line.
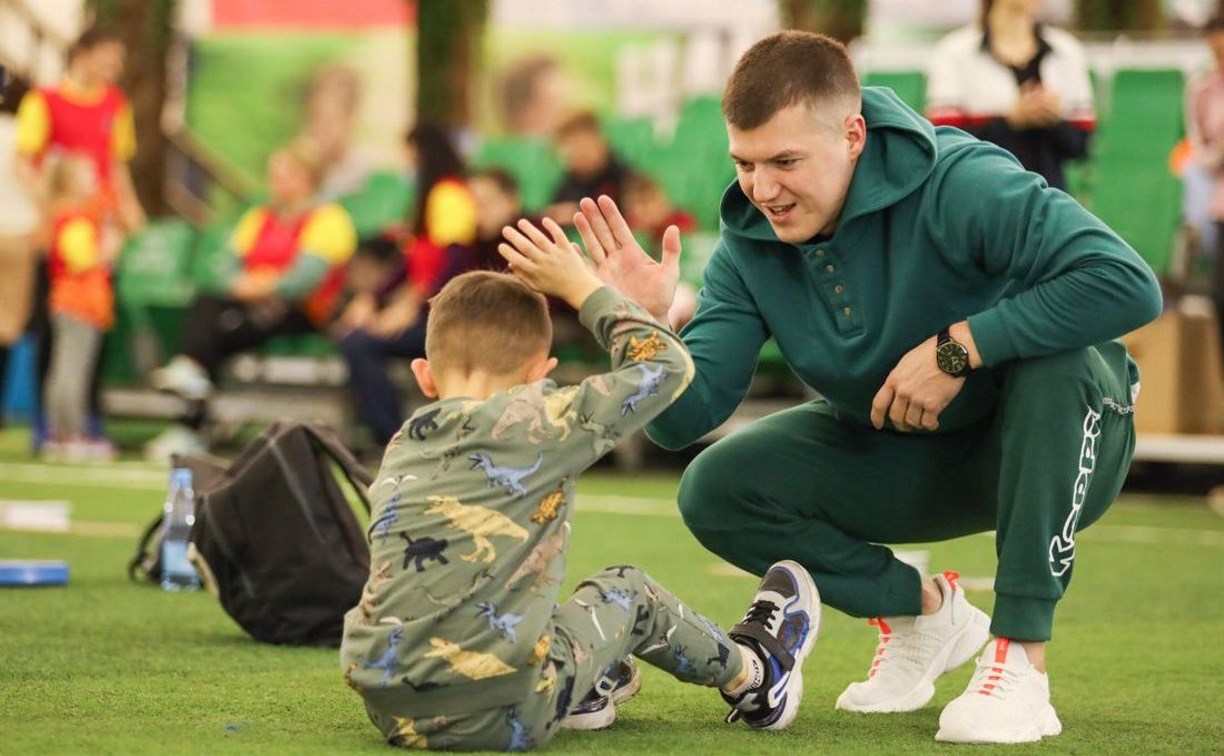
594	720
1046	725
960	649
794	686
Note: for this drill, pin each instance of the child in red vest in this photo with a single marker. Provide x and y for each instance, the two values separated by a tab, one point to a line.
81	303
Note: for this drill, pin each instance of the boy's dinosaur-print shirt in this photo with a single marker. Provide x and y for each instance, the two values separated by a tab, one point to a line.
470	517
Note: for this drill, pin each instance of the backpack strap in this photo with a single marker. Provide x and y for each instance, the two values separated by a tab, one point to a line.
144	561
357	474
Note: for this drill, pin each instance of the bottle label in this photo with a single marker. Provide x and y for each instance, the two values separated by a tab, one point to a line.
177	571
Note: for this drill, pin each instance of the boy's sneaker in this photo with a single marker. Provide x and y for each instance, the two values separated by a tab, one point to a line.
1007	701
597	710
780	628
182	376
914	651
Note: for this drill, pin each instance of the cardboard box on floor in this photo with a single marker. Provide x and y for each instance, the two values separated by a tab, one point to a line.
1180	371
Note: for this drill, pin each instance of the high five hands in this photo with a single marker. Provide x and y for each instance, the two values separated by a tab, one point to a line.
544	260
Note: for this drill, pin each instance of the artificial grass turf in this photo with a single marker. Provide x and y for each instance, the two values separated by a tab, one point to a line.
107	666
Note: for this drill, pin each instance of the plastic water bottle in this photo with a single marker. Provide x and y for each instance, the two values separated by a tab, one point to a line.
177	572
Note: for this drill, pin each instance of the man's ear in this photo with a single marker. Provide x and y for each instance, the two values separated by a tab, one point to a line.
540	369
424	377
856	134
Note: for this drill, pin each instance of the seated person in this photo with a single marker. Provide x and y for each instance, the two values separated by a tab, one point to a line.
443	225
283	272
649	212
470	651
591	167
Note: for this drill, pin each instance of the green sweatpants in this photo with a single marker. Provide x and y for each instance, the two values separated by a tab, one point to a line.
802	484
614	613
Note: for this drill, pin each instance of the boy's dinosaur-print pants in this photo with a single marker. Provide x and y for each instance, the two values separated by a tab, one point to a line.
613	614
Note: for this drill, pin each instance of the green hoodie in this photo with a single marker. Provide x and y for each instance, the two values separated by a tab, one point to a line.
937	227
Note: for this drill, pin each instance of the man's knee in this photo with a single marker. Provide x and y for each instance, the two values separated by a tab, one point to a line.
713	487
1067	368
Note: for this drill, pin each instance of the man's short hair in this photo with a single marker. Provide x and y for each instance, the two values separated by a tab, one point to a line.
786	69
93	37
482	320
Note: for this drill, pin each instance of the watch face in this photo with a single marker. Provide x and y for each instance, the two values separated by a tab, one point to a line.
952	358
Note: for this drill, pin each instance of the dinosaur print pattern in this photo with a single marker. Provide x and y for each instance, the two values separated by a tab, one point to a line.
386	662
550	505
509	478
520	736
423	423
479	522
546	415
422	549
648	348
406	736
382	526
538	560
474	665
503	624
652	378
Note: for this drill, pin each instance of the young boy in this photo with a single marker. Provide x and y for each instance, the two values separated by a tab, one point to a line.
458	642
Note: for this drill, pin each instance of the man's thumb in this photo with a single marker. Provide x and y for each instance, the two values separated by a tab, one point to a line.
671	246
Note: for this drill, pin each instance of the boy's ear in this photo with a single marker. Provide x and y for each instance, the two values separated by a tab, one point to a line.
424	377
540	370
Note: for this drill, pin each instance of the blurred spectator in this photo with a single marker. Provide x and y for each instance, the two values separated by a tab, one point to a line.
19	224
591	168
1020	84
1203	175
332	103
284	269
85	112
498	204
649	212
377	330
532	96
82	305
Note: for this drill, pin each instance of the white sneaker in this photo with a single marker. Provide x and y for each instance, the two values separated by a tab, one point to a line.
914	651
1007	701
182	376
176	439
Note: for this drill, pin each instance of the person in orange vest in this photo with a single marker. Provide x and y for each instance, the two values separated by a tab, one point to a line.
84	113
82	304
283	273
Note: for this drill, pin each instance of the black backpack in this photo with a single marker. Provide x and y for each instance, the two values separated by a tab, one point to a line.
276	537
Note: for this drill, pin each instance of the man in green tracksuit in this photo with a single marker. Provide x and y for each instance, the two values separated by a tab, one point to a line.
956	315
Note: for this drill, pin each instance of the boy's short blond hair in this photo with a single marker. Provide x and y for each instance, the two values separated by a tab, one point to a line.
483	320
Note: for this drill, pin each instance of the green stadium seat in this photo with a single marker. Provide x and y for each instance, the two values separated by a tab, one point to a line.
910	86
533	162
383	201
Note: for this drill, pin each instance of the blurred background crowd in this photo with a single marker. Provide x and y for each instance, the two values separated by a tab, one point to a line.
214	212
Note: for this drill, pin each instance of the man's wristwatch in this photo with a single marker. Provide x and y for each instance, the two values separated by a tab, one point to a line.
951	356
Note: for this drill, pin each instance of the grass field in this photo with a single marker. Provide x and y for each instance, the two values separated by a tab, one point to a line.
107	666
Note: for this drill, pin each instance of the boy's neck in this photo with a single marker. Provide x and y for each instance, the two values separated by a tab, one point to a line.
475	385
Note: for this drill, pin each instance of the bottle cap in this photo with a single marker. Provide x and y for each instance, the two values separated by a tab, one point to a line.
181	477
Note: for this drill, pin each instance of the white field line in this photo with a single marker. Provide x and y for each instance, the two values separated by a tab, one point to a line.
136	475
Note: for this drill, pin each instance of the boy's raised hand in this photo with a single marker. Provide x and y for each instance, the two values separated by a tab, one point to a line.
548	262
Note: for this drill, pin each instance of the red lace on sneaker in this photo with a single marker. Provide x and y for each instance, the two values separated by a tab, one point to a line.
992	681
951	577
885	636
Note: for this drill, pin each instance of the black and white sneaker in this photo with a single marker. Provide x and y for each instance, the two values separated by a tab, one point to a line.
597	710
780	628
